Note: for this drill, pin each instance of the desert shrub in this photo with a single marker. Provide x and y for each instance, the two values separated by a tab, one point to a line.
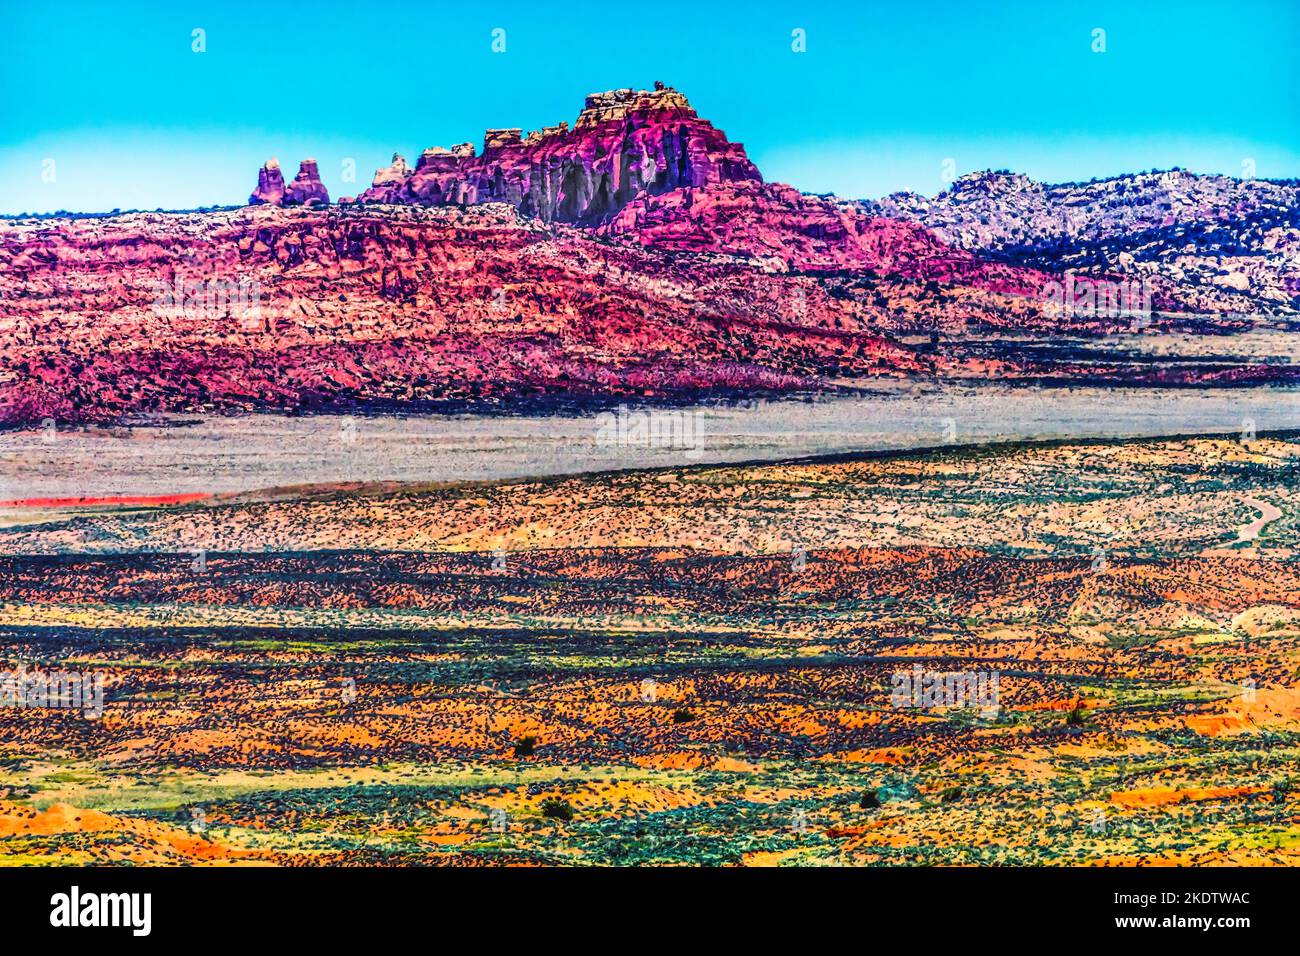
554	808
525	746
1075	717
950	795
682	716
869	800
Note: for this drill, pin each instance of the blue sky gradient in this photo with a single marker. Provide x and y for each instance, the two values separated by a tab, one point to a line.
132	118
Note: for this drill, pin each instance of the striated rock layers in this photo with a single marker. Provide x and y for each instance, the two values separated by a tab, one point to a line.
624	143
721	289
786	230
310	307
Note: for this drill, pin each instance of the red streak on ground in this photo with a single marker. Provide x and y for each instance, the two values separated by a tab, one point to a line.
106	500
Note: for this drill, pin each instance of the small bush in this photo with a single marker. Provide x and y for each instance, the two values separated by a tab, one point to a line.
554	808
682	716
525	746
950	795
1075	717
869	800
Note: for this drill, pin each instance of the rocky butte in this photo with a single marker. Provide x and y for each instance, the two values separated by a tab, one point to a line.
624	143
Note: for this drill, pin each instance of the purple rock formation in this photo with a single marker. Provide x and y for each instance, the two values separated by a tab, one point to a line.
306	187
270	185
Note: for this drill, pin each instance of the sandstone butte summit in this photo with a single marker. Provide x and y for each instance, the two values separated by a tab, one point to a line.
624	143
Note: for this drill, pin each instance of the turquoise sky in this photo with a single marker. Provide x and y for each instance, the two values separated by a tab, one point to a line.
131	117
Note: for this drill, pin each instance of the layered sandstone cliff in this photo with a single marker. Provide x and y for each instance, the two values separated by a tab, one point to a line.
624	143
344	307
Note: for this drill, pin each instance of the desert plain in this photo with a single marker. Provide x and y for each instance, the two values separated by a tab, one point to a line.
691	663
